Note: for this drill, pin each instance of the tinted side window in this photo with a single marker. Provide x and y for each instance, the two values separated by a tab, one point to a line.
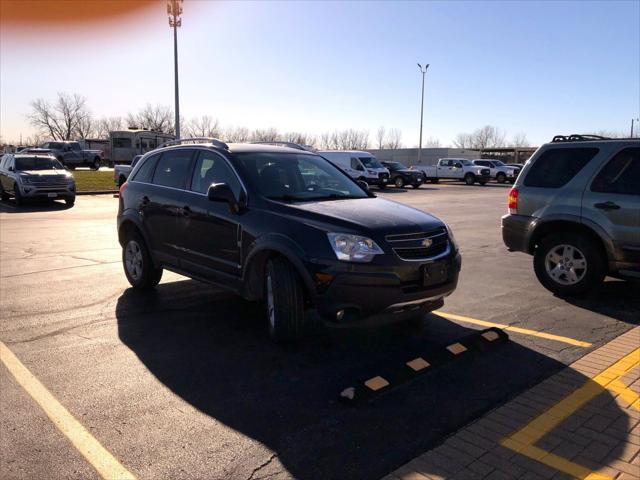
212	168
557	166
145	172
173	169
354	163
620	175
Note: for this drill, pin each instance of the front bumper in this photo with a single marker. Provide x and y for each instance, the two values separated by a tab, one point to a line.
516	231
365	290
377	181
47	191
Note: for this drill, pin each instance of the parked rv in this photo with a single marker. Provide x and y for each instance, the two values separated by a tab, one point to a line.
126	144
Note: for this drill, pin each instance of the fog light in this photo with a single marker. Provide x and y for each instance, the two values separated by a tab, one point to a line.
340	315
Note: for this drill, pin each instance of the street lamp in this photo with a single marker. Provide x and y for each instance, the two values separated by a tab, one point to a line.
423	71
632	120
174	9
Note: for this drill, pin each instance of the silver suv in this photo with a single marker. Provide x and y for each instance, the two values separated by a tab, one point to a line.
30	175
576	208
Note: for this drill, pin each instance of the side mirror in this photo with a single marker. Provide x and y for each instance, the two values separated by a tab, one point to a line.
363	185
221	192
11	169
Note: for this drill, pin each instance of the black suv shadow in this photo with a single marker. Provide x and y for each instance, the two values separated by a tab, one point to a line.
212	350
30	206
614	298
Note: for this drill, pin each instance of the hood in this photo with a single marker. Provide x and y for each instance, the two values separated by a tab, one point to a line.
365	215
408	171
62	173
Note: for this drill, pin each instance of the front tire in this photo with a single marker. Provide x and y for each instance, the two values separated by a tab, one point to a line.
17	195
469	179
501	177
70	201
137	263
96	164
284	301
569	264
399	182
416	185
5	195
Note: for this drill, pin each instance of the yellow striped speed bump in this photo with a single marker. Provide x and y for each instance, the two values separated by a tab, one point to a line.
392	376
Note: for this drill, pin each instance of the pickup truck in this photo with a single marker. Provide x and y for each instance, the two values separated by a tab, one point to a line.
121	172
499	171
71	154
455	169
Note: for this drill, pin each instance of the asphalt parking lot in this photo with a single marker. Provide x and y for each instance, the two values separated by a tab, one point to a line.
184	383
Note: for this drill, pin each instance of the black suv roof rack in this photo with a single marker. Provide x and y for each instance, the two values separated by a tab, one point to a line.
278	143
574	137
214	141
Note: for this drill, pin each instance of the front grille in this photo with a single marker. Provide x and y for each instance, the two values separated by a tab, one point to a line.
421	252
410	246
49	180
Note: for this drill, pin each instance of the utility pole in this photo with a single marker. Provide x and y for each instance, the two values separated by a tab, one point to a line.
632	120
423	71
174	9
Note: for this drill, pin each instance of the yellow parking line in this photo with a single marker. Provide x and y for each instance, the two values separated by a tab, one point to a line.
524	331
105	463
523	440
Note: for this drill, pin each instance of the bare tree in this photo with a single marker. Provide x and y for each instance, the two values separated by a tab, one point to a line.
394	139
158	119
59	121
236	134
204	126
299	138
265	135
106	125
85	128
432	142
381	136
463	140
520	140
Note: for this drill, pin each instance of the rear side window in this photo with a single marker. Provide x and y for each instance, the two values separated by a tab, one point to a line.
145	172
557	166
173	169
620	175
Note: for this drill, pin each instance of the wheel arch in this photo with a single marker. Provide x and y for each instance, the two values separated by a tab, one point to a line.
257	260
568	226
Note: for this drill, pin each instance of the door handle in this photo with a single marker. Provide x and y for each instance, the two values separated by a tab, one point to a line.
186	211
145	200
607	206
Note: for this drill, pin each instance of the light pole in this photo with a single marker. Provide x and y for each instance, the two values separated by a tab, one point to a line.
423	71
632	120
174	9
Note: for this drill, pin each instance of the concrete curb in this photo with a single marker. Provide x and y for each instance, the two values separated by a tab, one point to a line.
98	192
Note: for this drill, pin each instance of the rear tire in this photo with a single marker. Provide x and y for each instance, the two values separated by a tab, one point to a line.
501	177
569	264
137	263
469	179
5	195
284	301
399	182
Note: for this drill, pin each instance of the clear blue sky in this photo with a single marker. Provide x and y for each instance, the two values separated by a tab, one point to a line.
541	68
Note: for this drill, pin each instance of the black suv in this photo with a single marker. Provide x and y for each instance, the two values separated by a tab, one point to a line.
401	175
285	226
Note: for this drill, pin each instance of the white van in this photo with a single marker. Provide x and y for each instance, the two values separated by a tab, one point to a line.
359	165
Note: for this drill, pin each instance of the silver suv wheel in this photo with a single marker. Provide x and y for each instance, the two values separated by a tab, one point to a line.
133	259
566	264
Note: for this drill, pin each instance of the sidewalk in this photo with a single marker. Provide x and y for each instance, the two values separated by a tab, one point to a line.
583	422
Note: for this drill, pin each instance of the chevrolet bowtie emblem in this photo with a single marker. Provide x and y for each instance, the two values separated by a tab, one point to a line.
426	243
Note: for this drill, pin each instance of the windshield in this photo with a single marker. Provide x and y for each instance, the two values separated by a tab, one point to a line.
395	166
370	162
37	163
297	177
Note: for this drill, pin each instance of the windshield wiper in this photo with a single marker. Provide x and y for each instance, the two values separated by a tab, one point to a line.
286	198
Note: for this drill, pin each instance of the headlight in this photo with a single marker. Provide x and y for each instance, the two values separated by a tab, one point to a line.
24	178
353	248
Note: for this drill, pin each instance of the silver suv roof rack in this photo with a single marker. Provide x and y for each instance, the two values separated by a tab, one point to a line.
278	143
213	141
577	138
